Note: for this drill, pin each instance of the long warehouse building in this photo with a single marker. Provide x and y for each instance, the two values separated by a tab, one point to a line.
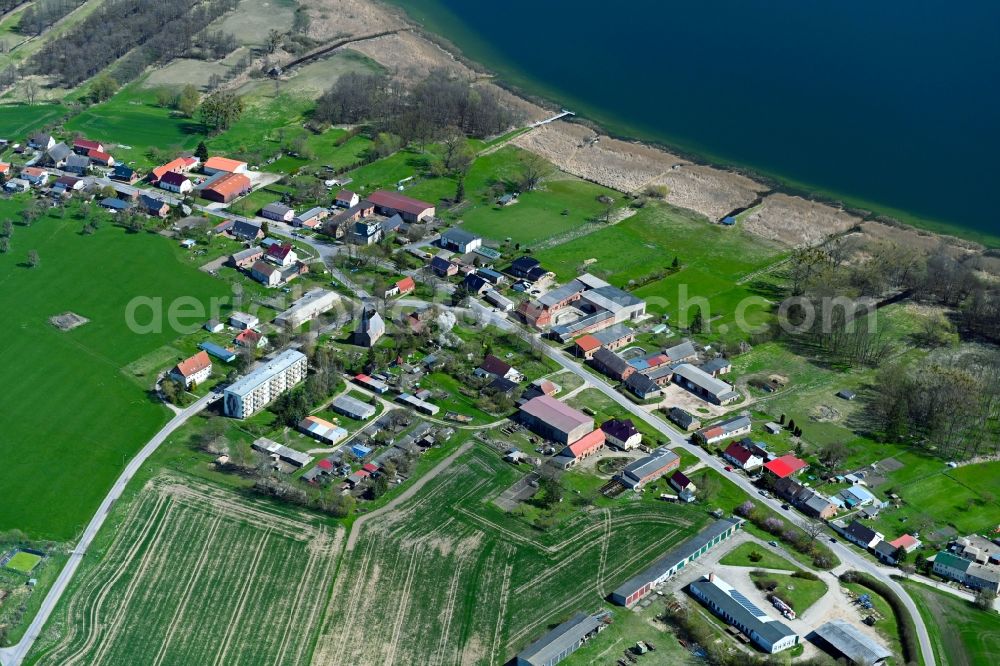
642	584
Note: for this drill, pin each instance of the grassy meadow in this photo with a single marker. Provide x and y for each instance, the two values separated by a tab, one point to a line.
70	428
961	635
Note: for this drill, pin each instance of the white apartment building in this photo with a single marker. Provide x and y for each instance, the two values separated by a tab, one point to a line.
252	393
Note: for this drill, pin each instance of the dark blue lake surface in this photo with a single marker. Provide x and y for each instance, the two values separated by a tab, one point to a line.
892	103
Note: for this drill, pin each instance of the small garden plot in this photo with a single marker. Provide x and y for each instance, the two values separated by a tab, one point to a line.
23	561
754	555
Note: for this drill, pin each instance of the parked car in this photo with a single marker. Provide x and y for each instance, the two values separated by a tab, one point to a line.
772	543
729	468
785	507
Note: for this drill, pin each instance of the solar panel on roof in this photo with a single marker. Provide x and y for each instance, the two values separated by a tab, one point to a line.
746	603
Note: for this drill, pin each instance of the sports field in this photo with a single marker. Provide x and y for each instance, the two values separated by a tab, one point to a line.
448	578
195	575
24	562
69	430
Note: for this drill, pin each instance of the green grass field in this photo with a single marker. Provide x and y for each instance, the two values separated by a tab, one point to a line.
17	121
24	562
449	578
961	634
70	429
713	259
194	574
740	557
799	593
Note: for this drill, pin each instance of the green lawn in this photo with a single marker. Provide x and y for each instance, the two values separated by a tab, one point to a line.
132	118
712	259
626	629
799	593
24	562
740	557
70	429
961	634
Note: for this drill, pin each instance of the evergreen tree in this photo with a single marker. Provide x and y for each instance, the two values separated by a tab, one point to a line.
201	152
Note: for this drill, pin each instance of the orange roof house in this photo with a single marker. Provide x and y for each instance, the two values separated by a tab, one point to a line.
586	345
194	369
582	448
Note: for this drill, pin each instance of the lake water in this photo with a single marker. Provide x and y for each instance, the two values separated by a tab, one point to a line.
891	103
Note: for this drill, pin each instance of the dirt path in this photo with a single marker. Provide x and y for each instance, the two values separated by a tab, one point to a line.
352	538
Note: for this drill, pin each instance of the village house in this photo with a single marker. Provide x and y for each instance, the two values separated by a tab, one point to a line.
267	274
443	268
125	174
101	158
194	370
77	164
41	141
610	364
528	269
83	146
16	185
967	572
173	181
116	205
69	184
281	255
339	224
226	188
682	484
643	386
4	170
245	230
216	165
390	203
246	258
497	300
717	366
56	155
400	288
278	212
346	199
35	176
153	206
311	218
728	429
683	419
353	408
366	232
783	467
250	339
493	367
745	454
475	284
862	535
179	165
622	434
322	430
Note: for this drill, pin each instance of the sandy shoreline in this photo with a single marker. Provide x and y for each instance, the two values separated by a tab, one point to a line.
625	166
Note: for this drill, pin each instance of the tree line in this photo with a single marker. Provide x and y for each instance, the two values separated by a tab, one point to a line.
135	33
418	114
44	13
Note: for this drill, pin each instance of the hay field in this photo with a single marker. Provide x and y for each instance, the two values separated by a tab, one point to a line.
195	575
450	579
